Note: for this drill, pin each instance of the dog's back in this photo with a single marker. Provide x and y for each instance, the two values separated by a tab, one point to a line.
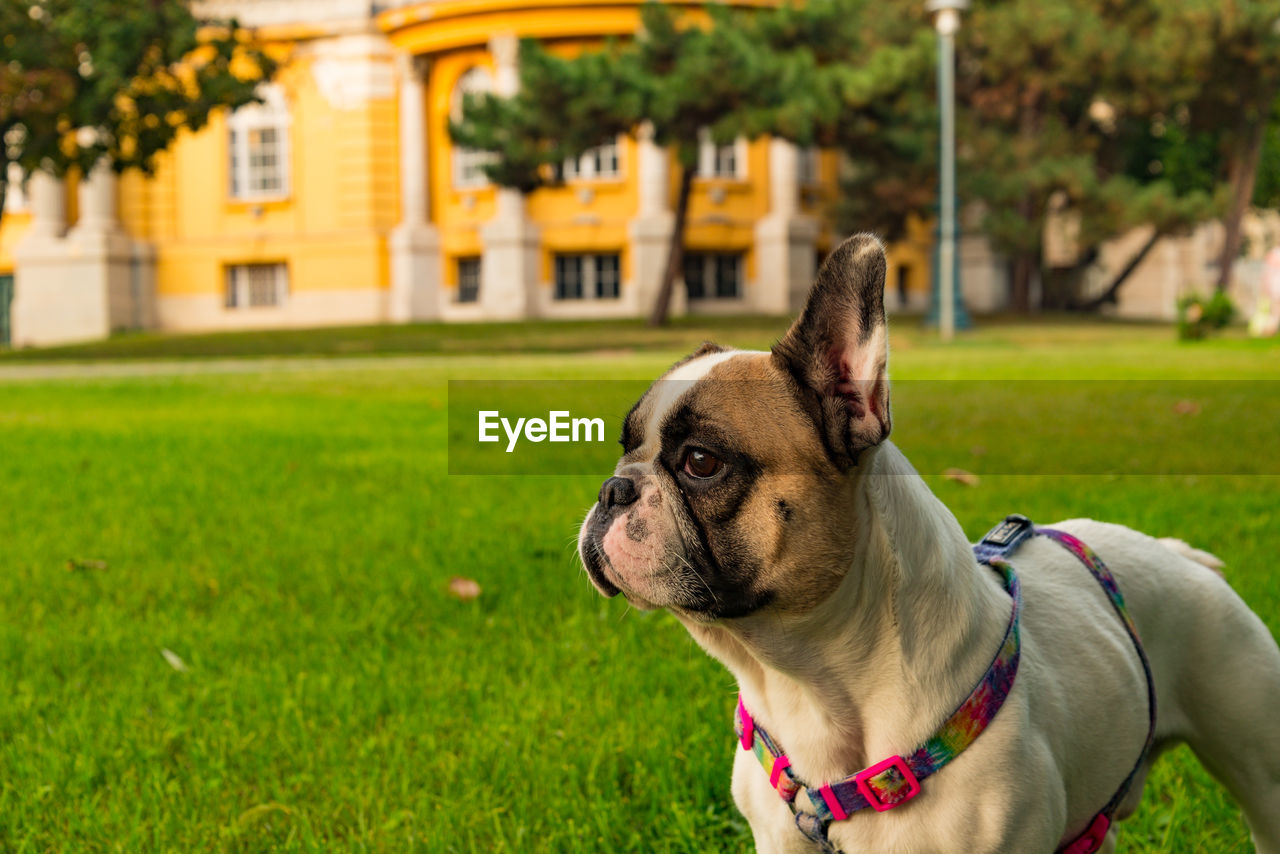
1215	665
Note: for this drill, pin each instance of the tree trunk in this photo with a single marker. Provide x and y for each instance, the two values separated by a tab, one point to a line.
1024	264
675	252
1242	176
1109	295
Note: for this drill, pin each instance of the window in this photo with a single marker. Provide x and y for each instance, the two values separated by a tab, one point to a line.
720	161
713	275
607	277
588	277
598	162
807	165
256	285
468	163
469	279
15	199
258	148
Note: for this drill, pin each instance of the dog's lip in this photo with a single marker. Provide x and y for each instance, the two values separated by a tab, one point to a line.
597	566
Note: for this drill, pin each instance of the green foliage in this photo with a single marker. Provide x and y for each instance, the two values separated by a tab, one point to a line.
115	79
679	78
1199	316
851	74
1267	191
1124	114
564	107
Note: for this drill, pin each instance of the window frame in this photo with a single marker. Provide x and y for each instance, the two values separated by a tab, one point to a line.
711	157
237	292
591	275
270	115
808	166
710	265
467	290
589	166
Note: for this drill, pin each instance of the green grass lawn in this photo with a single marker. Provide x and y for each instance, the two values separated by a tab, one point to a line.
290	536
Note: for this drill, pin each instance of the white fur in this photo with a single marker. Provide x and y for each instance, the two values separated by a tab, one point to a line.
913	626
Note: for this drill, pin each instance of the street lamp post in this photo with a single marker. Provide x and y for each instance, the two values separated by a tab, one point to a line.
946	20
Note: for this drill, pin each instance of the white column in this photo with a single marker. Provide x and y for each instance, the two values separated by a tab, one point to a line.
784	178
509	268
97	197
413	142
650	231
86	285
785	238
505	48
414	243
48	201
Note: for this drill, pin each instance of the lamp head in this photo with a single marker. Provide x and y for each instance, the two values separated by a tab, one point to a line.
946	14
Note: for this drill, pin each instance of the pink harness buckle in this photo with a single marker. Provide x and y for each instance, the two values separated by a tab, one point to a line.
862	778
748	726
779	765
1091	840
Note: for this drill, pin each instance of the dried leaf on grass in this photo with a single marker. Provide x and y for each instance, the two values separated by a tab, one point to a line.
464	588
1186	407
961	476
175	661
80	564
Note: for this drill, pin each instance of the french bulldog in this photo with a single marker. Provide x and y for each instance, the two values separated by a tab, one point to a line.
760	501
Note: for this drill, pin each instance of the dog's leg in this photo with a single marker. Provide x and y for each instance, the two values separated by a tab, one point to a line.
772	824
1229	690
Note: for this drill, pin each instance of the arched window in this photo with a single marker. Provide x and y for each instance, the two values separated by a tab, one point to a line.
258	148
467	162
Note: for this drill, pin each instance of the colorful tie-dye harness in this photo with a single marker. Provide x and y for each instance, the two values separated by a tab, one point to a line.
896	780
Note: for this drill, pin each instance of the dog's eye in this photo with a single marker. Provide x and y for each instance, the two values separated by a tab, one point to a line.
702	464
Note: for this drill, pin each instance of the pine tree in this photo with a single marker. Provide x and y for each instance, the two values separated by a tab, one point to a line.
679	77
1234	57
1056	99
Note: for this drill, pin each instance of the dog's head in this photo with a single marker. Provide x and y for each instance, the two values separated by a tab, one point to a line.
729	498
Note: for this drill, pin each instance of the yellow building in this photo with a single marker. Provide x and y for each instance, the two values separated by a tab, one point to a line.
340	199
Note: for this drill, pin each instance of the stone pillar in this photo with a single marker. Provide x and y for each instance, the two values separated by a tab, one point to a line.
48	204
509	268
785	238
88	284
650	230
414	242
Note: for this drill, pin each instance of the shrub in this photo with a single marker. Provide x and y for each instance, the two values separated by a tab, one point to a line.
1198	316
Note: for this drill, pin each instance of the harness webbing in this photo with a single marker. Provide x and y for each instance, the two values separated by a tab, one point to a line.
896	780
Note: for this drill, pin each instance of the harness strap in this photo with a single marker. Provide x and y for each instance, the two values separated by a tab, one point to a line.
896	780
1094	835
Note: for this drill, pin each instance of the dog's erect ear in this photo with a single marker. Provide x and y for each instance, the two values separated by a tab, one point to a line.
838	348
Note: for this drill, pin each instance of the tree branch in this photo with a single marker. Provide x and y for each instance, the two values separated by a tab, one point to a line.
1109	295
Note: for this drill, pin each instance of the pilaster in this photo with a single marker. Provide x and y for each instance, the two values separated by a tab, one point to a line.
510	265
414	243
785	239
650	230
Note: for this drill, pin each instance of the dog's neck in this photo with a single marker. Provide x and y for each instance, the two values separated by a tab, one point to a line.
876	668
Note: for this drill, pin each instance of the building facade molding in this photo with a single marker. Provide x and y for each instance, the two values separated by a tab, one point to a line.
414	243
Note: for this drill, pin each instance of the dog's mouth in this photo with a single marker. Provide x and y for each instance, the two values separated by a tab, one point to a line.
596	563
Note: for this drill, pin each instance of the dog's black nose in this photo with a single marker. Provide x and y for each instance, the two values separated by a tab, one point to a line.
618	491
